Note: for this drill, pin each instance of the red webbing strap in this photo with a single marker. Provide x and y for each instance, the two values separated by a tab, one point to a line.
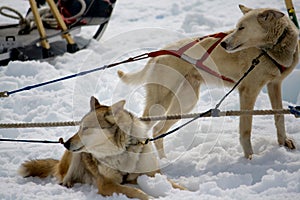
177	53
216	35
208	52
163	52
186	47
281	68
199	63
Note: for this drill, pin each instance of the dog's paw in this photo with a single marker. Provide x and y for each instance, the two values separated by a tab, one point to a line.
68	184
289	143
249	155
120	73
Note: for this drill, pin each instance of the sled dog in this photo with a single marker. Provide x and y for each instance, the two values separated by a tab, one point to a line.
172	84
107	151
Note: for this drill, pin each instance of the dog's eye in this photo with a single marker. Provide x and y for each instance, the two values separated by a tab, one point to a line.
85	128
241	28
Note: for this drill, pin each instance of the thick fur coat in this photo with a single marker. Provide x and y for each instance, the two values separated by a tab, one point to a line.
107	151
172	84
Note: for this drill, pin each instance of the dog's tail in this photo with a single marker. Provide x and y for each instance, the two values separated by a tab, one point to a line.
133	78
39	168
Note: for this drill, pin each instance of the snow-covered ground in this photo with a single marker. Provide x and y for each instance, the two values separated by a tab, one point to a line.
205	157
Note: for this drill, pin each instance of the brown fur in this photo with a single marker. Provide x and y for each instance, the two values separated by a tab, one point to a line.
172	84
46	168
106	151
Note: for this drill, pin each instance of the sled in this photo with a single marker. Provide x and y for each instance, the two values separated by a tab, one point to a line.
46	32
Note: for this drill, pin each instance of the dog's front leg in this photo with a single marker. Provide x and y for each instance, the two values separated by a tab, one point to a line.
245	135
73	170
247	101
274	91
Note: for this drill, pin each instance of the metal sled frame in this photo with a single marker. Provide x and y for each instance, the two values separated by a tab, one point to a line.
71	45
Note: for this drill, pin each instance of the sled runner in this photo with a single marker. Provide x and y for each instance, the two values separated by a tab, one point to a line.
41	35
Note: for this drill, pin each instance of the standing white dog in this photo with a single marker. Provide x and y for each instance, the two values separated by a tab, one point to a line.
173	83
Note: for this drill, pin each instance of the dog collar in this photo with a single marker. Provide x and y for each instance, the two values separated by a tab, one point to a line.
133	141
280	67
282	36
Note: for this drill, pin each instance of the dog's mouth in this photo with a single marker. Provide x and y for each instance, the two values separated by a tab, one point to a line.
78	149
73	147
236	48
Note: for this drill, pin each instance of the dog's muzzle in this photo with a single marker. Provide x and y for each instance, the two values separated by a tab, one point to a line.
223	44
67	144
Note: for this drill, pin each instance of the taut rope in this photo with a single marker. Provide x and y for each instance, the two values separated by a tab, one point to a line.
214	113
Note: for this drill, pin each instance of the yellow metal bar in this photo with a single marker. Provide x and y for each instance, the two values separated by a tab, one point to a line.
39	24
289	4
291	11
60	21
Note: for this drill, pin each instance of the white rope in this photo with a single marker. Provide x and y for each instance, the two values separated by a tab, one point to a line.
48	18
81	12
153	118
44	12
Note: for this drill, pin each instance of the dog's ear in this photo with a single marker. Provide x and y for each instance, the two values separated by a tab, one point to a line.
269	15
244	9
117	107
94	103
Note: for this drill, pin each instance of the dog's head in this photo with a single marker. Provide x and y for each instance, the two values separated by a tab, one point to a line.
104	130
258	28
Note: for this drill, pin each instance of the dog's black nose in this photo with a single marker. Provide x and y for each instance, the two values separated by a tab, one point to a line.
224	44
67	144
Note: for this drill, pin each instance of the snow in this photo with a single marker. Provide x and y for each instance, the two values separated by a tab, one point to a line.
205	156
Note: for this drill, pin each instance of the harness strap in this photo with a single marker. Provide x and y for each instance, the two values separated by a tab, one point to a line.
197	62
280	67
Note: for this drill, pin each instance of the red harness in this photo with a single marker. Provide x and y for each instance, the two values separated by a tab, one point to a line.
199	62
